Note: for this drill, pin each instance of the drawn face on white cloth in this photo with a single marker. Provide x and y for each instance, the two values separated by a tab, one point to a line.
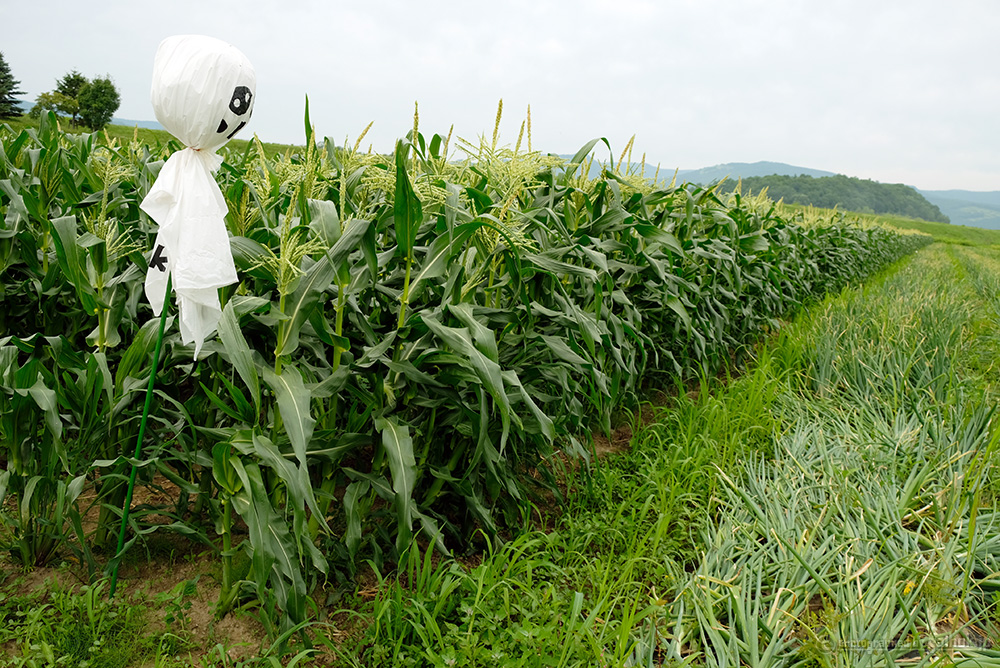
203	90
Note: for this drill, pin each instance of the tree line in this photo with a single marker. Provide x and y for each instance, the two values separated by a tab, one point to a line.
85	102
843	192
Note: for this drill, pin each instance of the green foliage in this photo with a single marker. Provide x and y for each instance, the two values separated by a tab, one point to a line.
177	603
829	507
57	102
944	232
9	105
71	84
412	339
65	98
508	611
843	192
98	101
867	537
86	102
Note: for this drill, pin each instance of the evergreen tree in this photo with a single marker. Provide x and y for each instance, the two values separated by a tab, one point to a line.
69	88
71	83
9	105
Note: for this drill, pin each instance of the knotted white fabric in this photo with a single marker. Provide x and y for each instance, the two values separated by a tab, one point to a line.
203	93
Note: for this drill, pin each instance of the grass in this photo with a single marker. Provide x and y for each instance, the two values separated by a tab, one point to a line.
80	627
61	624
950	234
979	269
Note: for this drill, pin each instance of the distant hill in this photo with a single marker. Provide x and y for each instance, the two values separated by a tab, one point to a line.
715	173
152	125
968	207
740	170
962	207
989	198
844	192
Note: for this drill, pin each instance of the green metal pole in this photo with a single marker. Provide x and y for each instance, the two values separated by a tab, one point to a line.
138	442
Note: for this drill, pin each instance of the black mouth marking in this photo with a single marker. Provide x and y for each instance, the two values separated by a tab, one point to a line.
223	126
233	133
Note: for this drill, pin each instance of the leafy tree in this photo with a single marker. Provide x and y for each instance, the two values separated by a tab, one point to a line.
99	100
9	105
56	101
91	103
63	99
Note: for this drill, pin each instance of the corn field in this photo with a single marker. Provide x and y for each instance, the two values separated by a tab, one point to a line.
414	339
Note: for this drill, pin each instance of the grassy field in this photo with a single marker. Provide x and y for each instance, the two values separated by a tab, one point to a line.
950	234
429	406
945	233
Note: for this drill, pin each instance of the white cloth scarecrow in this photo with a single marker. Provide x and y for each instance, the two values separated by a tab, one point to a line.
203	94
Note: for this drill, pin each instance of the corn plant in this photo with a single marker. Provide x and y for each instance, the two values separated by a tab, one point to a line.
412	338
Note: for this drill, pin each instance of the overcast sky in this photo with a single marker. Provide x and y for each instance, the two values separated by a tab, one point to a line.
900	91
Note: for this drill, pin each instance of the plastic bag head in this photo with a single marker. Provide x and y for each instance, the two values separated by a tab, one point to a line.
203	90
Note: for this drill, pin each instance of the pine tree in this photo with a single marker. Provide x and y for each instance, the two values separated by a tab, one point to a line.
69	88
9	105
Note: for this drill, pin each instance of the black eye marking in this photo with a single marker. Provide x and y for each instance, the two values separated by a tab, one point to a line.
241	100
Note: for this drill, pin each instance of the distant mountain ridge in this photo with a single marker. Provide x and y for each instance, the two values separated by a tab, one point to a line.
964	207
741	170
989	198
968	207
152	125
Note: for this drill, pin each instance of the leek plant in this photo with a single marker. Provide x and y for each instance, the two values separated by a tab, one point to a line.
831	506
